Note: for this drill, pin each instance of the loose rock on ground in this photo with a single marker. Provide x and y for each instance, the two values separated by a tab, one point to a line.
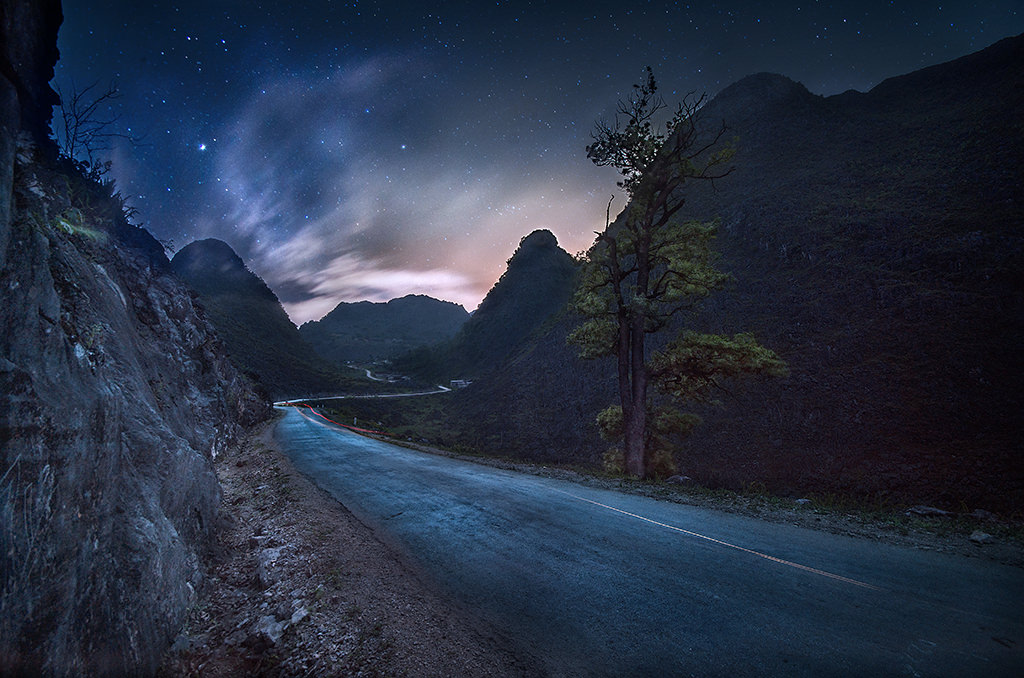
299	587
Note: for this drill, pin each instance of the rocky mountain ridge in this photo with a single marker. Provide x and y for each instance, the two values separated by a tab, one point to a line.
536	284
365	331
875	244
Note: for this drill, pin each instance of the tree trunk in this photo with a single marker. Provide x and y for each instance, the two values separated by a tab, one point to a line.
635	415
635	429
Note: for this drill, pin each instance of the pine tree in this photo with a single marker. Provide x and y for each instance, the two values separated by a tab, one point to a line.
649	266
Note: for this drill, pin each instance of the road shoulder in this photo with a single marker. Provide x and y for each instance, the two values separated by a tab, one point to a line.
298	586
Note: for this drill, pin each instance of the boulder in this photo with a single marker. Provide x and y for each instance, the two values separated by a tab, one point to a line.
981	538
269	629
928	512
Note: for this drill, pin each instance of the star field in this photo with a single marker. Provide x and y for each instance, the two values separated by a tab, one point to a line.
367	150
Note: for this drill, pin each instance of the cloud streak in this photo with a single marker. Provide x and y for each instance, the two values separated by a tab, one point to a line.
337	188
378	149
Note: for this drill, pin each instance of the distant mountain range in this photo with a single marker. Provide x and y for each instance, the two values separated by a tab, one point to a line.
259	336
537	284
877	244
365	331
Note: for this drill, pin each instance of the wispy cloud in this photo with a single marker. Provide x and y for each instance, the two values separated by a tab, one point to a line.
330	192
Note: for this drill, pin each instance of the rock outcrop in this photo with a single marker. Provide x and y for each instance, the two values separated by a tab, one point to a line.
28	52
116	395
537	284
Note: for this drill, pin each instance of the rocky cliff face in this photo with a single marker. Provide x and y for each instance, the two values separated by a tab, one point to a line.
116	395
28	51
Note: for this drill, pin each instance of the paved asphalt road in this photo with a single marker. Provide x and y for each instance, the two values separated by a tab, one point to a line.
588	582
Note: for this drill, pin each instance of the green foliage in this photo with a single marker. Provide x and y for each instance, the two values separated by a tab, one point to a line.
665	426
693	366
668	421
633	147
645	155
661	464
73	222
609	422
596	337
680	264
613	461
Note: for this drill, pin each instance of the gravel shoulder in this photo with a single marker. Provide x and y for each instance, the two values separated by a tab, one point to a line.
298	586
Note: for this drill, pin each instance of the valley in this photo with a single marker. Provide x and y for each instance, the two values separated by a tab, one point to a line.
895	308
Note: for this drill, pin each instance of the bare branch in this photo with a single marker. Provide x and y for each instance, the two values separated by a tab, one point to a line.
84	131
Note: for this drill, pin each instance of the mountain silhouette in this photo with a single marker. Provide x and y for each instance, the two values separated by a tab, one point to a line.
875	243
259	336
365	331
536	284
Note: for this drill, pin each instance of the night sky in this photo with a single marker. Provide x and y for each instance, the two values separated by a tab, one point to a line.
368	150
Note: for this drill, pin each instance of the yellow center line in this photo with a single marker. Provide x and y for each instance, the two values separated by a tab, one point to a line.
774	559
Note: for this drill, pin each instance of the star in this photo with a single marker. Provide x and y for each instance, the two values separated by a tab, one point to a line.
440	117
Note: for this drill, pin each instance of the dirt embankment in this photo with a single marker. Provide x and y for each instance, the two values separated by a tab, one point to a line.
300	587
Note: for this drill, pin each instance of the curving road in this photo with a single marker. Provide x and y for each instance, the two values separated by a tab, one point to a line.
588	582
311	399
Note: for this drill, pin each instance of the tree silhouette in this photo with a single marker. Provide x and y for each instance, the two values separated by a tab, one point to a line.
84	128
648	267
